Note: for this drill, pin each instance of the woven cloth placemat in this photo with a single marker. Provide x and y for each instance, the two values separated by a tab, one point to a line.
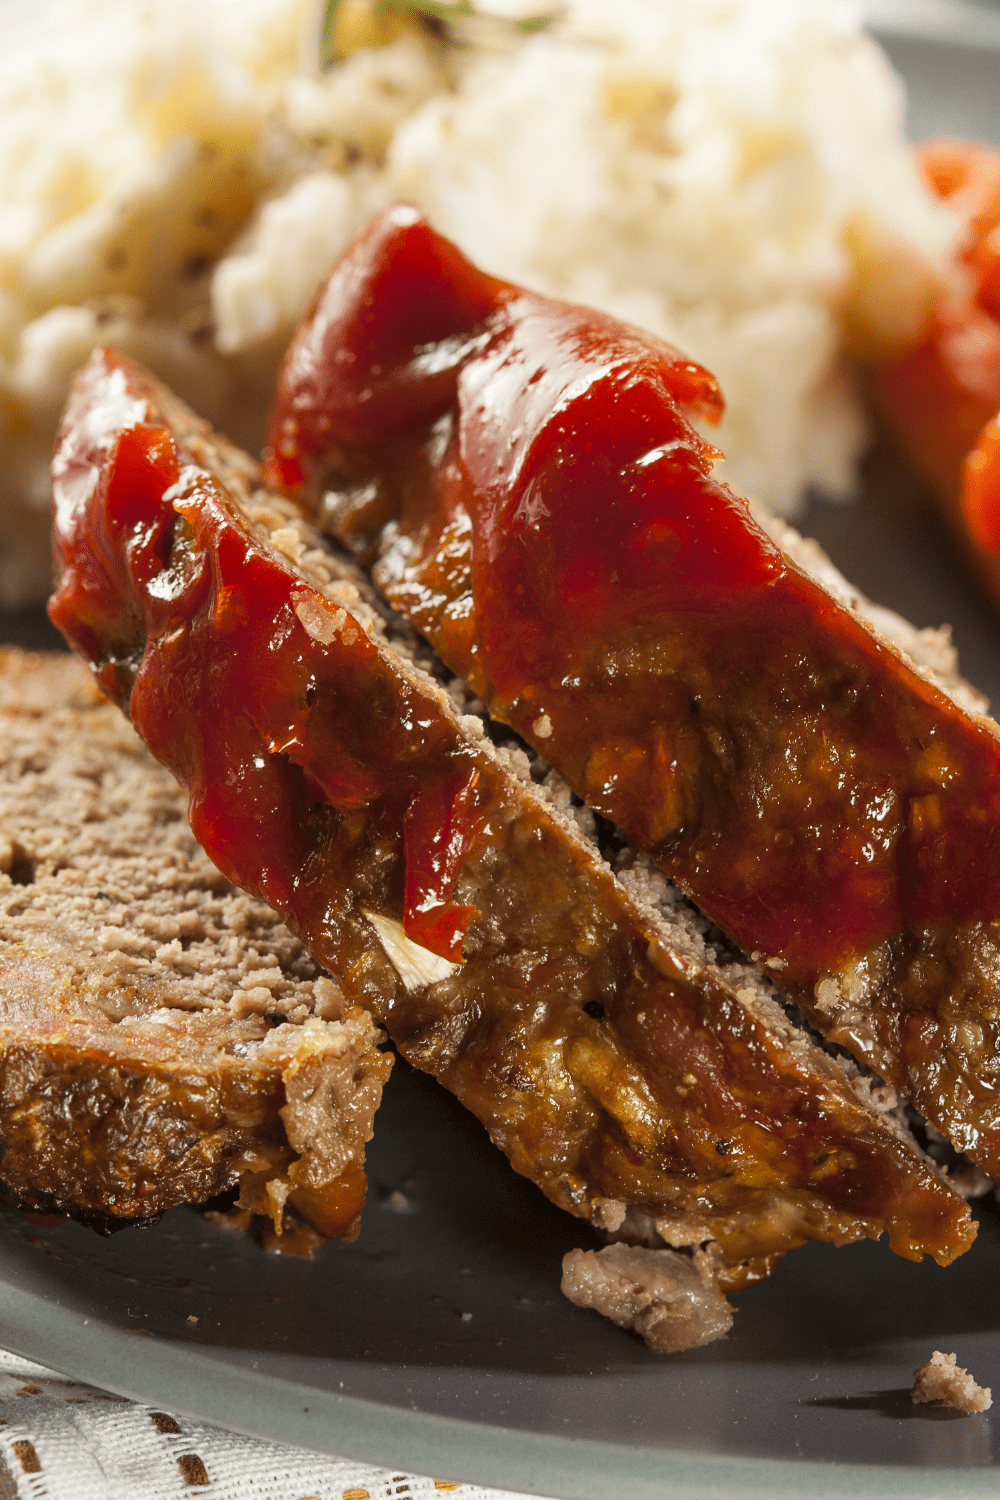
63	1440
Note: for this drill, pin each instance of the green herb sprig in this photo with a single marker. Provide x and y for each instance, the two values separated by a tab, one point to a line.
443	12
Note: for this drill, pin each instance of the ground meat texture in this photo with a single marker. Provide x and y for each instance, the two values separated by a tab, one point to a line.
331	776
155	1022
524	476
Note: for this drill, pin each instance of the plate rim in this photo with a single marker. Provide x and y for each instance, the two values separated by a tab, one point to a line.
956	23
194	1383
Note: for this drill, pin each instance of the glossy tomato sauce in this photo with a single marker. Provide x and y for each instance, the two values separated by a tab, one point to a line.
540	506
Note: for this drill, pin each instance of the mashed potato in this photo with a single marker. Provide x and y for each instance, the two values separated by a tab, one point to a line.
178	176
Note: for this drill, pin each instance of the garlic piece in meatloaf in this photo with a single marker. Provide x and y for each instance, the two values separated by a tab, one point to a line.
163	1036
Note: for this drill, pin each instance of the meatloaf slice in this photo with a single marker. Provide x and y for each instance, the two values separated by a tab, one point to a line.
525	476
163	1037
616	1056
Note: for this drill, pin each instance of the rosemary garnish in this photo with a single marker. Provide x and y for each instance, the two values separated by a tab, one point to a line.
442	12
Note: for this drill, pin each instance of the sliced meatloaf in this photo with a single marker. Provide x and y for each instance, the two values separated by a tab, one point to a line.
163	1036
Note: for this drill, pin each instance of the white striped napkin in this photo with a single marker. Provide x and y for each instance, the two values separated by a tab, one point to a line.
62	1440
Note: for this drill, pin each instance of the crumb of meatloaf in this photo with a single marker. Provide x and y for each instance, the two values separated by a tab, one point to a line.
943	1379
672	1300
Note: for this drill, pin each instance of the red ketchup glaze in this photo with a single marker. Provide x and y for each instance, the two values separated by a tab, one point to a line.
562	543
128	575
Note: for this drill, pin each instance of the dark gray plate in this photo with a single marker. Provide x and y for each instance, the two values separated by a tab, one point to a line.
439	1342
